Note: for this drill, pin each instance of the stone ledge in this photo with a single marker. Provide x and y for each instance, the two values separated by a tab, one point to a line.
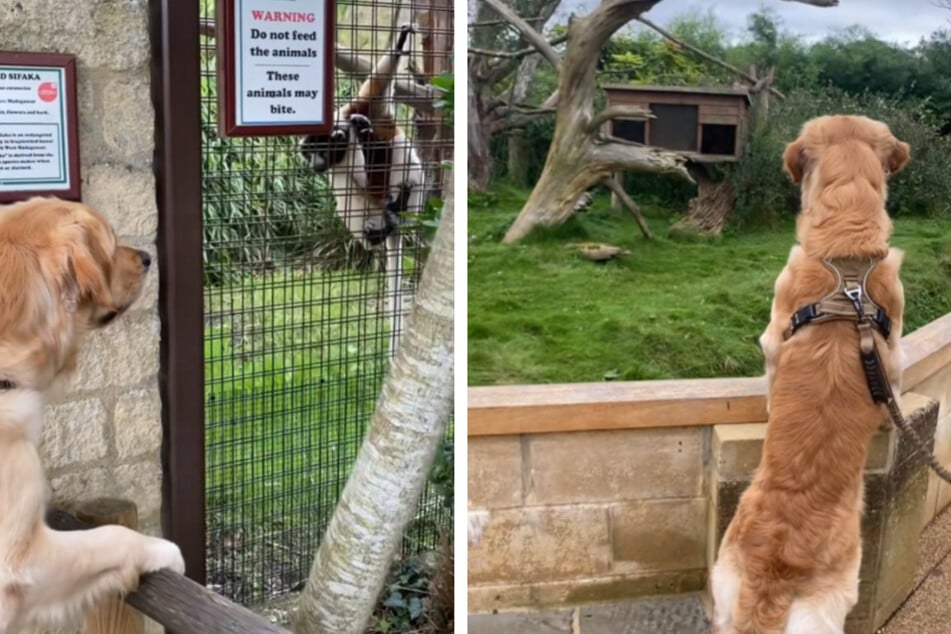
488	598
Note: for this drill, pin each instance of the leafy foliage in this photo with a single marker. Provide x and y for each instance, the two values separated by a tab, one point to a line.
908	87
261	204
411	600
765	193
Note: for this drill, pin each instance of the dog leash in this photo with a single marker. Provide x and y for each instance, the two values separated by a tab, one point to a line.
878	385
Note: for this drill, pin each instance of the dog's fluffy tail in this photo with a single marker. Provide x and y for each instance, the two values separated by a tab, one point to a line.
763	605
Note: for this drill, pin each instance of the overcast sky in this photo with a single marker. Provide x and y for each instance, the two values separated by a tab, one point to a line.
904	21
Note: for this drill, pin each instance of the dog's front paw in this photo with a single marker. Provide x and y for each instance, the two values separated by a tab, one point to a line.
161	553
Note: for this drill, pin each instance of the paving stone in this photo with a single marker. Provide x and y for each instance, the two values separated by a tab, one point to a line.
927	610
554	622
661	615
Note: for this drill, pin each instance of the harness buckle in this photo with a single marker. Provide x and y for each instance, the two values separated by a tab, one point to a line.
855	295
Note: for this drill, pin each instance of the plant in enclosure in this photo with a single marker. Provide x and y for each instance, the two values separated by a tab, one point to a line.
765	194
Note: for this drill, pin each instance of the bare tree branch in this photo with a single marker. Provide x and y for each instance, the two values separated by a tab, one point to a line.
539	18
519	53
710	58
530	34
618	157
628	202
817	3
618	112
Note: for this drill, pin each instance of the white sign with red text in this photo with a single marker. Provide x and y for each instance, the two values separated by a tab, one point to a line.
280	70
33	129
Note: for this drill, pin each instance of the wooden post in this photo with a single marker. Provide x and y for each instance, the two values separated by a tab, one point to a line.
617	206
112	616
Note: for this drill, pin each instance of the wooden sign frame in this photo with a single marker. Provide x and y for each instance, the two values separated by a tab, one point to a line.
228	16
14	189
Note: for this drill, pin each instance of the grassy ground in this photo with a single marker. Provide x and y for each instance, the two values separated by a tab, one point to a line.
539	313
294	363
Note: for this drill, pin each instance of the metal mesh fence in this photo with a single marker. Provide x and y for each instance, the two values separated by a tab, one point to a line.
300	315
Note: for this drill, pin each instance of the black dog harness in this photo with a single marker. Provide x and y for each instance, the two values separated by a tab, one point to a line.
850	300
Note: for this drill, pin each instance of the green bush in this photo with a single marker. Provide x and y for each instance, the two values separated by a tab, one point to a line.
765	193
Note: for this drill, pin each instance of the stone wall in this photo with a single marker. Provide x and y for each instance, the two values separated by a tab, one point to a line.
569	508
104	437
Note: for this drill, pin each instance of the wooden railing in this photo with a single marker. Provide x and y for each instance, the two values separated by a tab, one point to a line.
537	409
174	601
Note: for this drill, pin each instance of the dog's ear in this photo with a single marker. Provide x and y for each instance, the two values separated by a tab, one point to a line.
901	152
793	160
86	277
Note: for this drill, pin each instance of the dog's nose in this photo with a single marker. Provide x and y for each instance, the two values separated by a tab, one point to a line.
146	259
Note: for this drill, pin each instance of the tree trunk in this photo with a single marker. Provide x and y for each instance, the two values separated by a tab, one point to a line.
519	159
709	210
519	148
383	491
480	158
579	155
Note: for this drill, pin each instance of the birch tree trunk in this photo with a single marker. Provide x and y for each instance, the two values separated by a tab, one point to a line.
383	491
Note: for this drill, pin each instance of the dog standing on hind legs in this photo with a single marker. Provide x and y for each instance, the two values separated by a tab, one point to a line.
789	560
62	274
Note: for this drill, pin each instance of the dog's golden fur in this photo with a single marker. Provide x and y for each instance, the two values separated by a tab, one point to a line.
62	273
790	557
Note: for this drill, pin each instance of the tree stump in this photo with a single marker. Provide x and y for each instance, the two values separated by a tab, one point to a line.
709	210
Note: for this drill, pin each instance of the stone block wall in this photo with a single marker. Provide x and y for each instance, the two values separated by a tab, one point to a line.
579	517
104	437
586	516
938	387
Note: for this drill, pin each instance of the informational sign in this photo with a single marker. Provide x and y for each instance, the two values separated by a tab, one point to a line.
275	66
39	143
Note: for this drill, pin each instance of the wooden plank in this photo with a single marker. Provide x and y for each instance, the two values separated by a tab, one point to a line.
732	109
536	409
180	604
112	616
719	119
615	405
696	157
627	99
926	351
734	93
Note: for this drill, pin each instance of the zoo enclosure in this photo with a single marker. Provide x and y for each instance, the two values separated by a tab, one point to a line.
297	318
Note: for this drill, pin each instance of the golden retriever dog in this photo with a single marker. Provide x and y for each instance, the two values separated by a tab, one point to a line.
62	273
789	560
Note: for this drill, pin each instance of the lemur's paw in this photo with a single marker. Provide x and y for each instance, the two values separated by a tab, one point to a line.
361	123
339	135
375	234
393	205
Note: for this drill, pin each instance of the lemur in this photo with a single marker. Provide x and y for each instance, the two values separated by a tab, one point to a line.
374	169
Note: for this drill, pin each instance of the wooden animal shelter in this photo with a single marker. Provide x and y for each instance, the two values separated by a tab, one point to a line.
704	124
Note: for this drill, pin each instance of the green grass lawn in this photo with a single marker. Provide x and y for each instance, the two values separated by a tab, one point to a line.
294	363
540	313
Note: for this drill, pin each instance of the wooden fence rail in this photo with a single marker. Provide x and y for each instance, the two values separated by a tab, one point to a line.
174	601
